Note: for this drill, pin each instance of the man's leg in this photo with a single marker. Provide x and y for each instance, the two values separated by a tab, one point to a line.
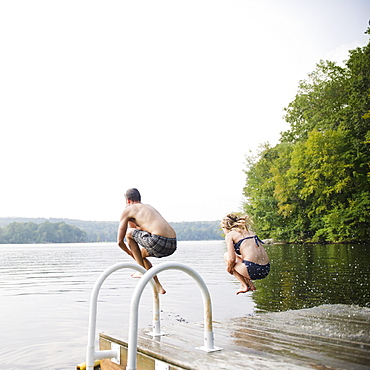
148	265
134	247
140	254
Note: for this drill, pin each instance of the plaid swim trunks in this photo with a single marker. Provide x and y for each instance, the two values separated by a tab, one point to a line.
156	245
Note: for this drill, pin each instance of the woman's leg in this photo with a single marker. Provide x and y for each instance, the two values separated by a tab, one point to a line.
242	270
241	274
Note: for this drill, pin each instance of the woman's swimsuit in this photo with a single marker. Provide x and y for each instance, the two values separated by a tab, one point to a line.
255	270
239	243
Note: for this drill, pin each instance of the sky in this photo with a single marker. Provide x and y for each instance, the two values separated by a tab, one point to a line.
167	96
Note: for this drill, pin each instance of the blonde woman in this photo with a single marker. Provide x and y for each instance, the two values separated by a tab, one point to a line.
245	258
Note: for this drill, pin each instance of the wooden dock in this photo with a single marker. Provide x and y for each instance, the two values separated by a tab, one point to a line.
315	338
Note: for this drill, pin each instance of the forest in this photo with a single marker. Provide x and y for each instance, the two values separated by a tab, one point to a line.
46	232
314	185
54	230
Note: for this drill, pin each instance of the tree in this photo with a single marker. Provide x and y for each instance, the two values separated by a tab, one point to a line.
259	193
320	103
315	184
320	173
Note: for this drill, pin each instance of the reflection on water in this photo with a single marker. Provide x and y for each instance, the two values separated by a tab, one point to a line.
305	276
45	292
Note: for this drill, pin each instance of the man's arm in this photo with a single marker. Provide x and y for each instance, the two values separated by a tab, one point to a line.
122	228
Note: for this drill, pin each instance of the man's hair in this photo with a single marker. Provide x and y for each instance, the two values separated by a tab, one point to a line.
133	194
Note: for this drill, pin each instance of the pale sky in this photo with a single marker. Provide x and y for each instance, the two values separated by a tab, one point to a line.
166	96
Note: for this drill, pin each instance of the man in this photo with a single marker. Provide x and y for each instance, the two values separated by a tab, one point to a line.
147	233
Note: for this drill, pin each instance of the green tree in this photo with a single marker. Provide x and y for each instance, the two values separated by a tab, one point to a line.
315	184
320	103
259	193
320	173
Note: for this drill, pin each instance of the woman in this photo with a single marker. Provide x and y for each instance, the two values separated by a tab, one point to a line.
245	258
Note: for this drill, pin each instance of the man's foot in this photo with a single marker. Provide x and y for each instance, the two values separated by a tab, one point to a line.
158	285
160	289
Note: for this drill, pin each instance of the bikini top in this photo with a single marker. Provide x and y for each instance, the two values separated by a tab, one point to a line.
239	243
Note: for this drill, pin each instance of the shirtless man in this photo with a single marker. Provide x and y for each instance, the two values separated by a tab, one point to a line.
147	233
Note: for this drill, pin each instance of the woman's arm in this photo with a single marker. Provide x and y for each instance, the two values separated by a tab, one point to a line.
231	253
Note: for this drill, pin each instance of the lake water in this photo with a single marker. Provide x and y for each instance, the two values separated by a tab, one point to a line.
45	292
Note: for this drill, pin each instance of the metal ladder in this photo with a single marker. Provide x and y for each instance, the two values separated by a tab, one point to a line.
92	354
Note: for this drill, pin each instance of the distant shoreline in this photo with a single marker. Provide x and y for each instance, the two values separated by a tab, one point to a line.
104	231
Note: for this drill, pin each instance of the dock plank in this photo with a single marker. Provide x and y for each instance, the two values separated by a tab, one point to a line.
293	340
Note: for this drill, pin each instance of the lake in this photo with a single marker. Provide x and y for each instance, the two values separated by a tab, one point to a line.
45	292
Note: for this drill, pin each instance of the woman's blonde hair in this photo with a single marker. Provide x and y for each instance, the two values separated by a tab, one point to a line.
236	221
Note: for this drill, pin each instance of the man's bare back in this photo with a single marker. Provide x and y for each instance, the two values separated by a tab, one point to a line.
147	218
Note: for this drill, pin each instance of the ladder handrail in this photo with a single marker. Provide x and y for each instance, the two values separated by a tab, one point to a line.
91	354
134	309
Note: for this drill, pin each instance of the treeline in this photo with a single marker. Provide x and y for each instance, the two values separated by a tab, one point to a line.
314	186
54	230
46	232
95	231
198	230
